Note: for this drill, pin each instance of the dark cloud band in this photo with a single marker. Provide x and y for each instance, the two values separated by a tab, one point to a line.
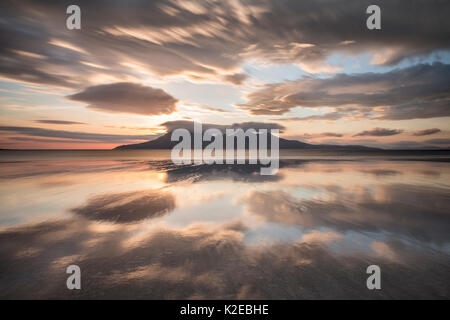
125	97
415	92
379	132
40	132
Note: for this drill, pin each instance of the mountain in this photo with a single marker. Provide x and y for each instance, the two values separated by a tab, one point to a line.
164	142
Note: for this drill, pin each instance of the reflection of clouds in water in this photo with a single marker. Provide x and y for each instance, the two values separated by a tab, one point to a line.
316	236
205	172
23	169
418	212
382	172
384	250
128	206
431	173
310	232
205	262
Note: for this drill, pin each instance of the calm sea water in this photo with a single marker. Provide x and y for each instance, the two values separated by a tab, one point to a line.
140	227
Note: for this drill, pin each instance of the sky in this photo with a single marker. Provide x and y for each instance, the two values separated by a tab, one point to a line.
311	68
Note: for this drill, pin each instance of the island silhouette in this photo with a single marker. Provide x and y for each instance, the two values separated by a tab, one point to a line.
165	141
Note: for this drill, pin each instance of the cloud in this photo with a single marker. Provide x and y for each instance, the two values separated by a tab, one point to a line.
172	125
50	140
236	78
416	92
206	39
378	132
426	132
40	132
322	135
258	125
58	122
418	110
327	117
213	109
125	97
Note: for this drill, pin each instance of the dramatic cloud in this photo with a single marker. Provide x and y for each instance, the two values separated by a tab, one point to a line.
127	97
379	132
418	110
204	39
419	91
427	132
40	132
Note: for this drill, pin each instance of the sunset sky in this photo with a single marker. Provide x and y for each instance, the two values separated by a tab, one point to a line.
311	67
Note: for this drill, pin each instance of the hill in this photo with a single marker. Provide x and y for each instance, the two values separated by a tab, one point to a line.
164	142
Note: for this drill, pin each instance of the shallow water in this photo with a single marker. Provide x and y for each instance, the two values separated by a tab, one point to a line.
140	227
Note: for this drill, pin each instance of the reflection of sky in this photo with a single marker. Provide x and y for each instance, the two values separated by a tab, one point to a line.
272	232
346	212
